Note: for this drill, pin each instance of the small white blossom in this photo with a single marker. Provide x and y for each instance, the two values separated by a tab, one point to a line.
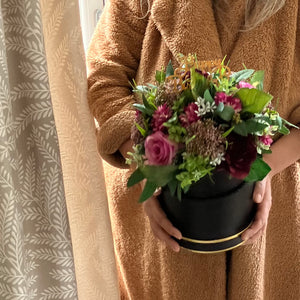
218	160
204	107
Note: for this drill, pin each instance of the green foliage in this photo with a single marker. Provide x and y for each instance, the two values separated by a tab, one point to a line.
259	170
185	98
241	75
170	69
257	79
177	133
148	191
160	76
253	101
136	156
208	97
225	112
160	175
194	168
198	84
135	177
250	126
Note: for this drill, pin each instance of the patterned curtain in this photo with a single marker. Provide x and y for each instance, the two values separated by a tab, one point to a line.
51	180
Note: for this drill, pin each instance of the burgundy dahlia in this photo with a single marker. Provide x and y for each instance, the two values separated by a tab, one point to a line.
160	116
241	153
235	103
189	116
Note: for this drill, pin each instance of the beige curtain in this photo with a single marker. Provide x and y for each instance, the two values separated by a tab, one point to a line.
48	161
82	169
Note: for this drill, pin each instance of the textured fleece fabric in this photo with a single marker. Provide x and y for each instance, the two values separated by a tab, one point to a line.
126	46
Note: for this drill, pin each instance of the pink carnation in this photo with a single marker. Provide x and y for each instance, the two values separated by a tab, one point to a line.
159	150
244	84
235	103
189	116
160	116
266	140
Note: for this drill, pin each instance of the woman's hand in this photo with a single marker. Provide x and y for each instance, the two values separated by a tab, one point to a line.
161	227
263	197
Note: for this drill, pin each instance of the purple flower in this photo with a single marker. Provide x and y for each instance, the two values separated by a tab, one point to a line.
189	116
159	150
240	154
235	103
160	116
244	84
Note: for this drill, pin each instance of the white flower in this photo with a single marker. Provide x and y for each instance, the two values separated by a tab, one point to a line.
204	107
218	160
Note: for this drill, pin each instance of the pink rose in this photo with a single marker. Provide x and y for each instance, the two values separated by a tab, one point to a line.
244	84
266	140
159	150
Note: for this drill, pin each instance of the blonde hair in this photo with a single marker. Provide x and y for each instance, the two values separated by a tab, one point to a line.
256	11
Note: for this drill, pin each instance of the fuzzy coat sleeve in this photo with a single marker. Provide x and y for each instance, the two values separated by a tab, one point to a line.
113	59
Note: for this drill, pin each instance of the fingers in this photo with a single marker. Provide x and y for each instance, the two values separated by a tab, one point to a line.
262	214
255	237
161	226
259	191
163	236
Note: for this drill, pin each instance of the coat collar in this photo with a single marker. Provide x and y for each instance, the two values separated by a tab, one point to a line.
185	24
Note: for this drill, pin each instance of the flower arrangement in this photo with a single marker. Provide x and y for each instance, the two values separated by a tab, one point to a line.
198	118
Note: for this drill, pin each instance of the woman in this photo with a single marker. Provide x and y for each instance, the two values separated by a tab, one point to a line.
125	46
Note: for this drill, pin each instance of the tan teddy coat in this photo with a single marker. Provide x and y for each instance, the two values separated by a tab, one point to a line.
125	47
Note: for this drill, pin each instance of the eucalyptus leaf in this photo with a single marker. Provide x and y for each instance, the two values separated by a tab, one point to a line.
170	69
253	100
242	75
148	191
241	129
253	126
208	97
227	113
258	171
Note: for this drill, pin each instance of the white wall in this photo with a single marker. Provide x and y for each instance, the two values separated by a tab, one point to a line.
90	11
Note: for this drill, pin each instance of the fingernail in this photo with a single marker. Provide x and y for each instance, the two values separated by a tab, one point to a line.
178	236
176	248
258	198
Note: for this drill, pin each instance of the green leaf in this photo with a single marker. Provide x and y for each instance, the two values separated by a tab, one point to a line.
242	75
160	175
284	130
259	170
227	113
220	108
241	129
289	124
160	76
141	129
253	126
135	177
149	106
148	191
143	109
257	79
172	186
198	84
253	100
208	97
226	133
170	69
179	191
